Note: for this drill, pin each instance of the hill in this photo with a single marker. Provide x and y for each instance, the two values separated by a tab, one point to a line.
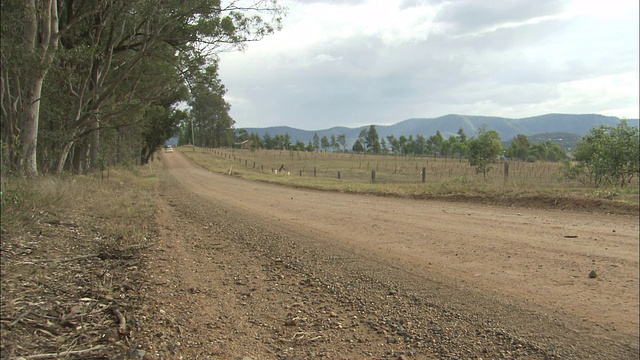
571	124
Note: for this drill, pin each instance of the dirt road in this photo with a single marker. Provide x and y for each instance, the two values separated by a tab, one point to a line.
247	269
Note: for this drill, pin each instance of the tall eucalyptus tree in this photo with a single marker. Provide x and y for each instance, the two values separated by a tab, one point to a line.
113	58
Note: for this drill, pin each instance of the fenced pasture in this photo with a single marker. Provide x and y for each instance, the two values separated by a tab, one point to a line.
437	174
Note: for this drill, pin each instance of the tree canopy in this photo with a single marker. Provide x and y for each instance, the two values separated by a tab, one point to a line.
99	71
607	155
484	149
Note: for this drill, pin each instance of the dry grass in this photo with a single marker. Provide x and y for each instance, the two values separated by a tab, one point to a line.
539	183
69	257
126	196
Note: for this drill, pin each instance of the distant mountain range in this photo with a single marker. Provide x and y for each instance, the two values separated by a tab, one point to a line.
537	127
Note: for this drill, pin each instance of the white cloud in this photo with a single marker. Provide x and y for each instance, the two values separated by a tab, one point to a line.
361	62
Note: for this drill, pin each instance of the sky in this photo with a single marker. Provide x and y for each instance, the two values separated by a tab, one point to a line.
360	62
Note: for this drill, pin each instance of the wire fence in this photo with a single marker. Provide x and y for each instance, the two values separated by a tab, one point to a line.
392	169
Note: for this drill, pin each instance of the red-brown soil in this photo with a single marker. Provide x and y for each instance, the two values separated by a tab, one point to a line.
251	270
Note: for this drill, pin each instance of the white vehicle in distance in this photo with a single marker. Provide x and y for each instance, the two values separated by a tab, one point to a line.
168	149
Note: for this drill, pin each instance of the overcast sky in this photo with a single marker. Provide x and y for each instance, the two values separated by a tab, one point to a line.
360	62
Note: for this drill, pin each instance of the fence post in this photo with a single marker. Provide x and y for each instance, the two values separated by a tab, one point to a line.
314	171
338	175
424	174
506	171
373	176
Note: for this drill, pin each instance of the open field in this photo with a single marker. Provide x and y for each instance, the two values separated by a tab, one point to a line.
357	168
538	184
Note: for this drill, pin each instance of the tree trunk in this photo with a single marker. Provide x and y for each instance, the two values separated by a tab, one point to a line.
29	134
145	155
63	156
41	39
94	146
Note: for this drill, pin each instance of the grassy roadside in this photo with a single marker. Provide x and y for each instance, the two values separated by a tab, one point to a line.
516	191
70	261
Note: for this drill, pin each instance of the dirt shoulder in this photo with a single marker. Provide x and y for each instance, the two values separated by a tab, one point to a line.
250	270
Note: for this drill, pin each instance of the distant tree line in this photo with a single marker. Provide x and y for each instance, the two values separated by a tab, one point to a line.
605	155
283	142
369	142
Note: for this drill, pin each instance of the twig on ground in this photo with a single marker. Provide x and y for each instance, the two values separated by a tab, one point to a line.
57	260
61	354
19	318
122	327
132	247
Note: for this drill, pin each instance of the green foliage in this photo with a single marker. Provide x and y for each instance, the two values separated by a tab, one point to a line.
267	141
435	144
358	147
324	142
114	61
282	142
418	146
210	112
161	124
299	146
241	135
393	142
334	143
484	150
461	148
403	141
342	141
184	135
606	155
277	142
257	141
372	140
519	148
383	146
362	139
548	151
